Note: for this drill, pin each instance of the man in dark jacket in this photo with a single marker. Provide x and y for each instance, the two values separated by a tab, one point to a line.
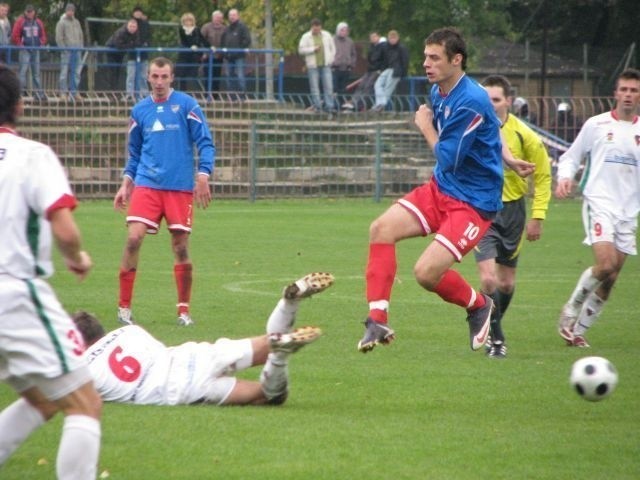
236	36
144	32
28	31
397	65
126	39
375	64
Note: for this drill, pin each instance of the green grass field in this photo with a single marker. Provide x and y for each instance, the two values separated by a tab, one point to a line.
425	407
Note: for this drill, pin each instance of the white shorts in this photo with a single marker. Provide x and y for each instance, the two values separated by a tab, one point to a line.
39	343
201	372
602	226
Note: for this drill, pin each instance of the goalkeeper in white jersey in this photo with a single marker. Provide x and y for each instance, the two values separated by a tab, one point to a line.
609	144
129	365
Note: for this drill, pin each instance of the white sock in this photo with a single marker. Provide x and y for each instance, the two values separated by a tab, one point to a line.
283	316
589	314
79	448
586	285
17	422
275	375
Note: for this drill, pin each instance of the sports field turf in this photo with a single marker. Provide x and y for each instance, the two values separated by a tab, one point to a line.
425	407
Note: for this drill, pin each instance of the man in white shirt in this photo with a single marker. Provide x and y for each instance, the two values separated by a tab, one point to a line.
129	365
610	143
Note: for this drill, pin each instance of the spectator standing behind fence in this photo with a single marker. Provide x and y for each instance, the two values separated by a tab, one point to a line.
144	31
236	36
319	50
375	65
28	31
188	63
5	31
397	61
126	39
69	34
159	180
212	34
344	62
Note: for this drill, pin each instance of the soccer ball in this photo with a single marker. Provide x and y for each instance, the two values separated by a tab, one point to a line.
594	378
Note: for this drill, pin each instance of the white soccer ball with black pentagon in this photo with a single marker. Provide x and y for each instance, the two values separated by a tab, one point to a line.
594	378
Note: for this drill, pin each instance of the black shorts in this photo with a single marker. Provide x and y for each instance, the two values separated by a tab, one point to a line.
504	237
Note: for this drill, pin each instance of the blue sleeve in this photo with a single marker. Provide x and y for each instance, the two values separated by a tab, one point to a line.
457	137
201	136
135	148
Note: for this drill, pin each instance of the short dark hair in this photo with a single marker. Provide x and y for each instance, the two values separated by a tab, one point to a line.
9	95
629	74
498	81
89	326
451	39
316	22
161	62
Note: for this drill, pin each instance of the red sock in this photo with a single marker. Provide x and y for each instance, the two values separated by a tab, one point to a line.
453	288
380	273
127	279
182	273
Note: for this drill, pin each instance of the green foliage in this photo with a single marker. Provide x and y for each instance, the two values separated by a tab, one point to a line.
423	407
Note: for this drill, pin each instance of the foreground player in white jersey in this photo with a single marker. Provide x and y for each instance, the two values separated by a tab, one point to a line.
610	142
128	365
40	348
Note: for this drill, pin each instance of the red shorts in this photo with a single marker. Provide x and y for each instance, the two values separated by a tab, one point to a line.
149	206
457	225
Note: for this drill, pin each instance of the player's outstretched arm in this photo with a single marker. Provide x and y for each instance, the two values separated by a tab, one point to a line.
202	192
67	235
123	194
564	187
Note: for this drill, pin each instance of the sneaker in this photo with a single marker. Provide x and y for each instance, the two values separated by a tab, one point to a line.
497	350
348	106
184	320
488	343
294	341
377	333
479	323
308	285
124	316
580	341
566	322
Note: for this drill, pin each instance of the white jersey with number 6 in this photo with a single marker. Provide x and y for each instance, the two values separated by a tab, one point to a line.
129	365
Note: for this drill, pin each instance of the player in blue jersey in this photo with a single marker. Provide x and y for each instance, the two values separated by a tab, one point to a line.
457	204
160	180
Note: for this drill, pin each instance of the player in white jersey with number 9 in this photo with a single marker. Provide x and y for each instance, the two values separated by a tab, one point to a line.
40	348
610	143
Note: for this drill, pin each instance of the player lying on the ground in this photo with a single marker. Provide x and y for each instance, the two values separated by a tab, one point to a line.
129	365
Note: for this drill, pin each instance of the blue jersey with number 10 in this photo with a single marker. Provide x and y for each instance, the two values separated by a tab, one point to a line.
469	150
161	140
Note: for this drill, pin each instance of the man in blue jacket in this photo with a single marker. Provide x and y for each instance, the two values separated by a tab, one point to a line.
159	180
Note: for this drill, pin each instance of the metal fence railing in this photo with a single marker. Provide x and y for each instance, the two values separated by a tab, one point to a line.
271	145
104	69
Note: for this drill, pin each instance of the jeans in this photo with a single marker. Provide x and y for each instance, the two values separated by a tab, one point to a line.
327	87
70	62
136	82
131	77
141	85
235	75
26	59
384	87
